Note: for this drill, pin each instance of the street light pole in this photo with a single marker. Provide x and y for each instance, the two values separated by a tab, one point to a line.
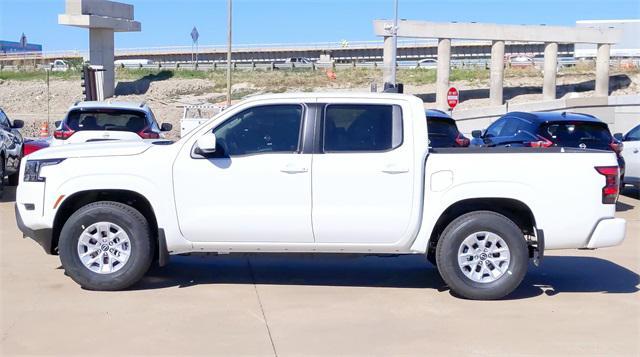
228	53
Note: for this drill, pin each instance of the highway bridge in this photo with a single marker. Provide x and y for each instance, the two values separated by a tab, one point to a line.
340	52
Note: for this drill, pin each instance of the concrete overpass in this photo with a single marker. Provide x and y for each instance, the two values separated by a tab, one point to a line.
356	51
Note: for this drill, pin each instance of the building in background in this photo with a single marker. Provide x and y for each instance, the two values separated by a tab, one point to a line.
628	47
9	47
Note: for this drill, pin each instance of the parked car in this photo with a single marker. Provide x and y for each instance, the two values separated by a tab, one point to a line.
631	155
33	145
242	182
550	129
443	131
521	61
298	60
59	66
10	150
99	121
427	63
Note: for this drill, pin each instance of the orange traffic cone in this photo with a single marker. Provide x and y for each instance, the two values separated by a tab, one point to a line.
331	74
44	129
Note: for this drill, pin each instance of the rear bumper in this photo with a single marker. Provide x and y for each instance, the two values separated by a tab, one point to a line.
44	237
608	233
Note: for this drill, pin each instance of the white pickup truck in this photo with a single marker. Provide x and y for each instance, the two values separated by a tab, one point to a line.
317	173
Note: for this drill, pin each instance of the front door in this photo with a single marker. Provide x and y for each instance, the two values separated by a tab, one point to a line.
255	188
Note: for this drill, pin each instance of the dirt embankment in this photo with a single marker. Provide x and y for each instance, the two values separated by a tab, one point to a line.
27	100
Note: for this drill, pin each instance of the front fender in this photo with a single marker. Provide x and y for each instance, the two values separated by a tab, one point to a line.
160	199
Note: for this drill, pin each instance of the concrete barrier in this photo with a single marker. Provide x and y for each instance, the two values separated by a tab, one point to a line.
621	113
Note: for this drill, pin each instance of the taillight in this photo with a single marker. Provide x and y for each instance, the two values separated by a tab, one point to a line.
616	146
30	148
462	141
147	133
612	183
542	142
64	133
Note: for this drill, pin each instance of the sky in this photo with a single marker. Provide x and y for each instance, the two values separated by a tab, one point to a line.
169	22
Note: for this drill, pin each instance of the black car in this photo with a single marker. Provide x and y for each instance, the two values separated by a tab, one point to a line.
10	149
547	129
443	131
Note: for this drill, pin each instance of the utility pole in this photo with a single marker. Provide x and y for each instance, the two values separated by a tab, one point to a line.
228	53
394	41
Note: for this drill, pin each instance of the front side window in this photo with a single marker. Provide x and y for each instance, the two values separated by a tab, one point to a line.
495	128
634	134
264	129
361	127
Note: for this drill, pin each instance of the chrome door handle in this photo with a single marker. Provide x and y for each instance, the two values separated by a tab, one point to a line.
291	169
395	169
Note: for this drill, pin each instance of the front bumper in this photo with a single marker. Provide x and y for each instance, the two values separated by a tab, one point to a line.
608	233
44	237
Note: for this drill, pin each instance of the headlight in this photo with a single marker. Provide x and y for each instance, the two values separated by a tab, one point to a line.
33	167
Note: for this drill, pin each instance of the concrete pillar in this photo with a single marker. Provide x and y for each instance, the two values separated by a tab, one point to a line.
497	73
444	65
550	68
387	60
602	70
101	52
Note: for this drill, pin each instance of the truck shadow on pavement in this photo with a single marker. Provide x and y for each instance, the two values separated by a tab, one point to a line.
556	275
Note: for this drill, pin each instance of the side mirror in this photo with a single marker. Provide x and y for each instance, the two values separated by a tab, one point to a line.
166	127
618	136
477	134
17	124
57	123
206	144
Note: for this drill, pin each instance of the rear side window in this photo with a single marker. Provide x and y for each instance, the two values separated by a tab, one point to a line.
362	128
574	134
107	119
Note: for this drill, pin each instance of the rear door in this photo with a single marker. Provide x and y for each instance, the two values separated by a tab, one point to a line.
362	175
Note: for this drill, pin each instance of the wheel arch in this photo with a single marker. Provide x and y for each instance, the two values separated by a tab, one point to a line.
81	198
515	210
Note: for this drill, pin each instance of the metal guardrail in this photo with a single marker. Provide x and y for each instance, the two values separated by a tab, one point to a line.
328	46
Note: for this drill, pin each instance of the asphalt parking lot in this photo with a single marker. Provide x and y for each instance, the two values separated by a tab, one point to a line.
576	302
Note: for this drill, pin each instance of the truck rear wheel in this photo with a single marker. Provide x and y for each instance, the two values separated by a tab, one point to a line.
482	256
106	246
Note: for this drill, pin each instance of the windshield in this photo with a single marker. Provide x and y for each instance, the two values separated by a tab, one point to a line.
575	134
108	119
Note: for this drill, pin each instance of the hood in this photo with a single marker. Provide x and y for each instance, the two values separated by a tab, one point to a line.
93	149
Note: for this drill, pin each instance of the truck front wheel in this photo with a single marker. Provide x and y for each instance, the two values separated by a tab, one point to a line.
482	256
106	246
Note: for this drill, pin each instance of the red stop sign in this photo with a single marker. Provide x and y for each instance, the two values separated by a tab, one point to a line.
452	97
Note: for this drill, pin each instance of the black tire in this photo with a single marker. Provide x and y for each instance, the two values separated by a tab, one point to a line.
451	241
14	178
131	221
